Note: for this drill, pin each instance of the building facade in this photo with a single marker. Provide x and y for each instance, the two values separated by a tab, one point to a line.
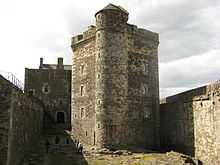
115	86
51	84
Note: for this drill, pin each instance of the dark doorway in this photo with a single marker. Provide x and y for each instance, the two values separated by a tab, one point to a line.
60	117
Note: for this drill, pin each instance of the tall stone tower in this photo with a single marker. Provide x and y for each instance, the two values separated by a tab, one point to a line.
115	86
111	107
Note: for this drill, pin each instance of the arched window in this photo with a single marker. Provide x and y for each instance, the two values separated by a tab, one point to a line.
60	117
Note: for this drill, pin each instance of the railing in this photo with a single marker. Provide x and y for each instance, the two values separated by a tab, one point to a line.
11	77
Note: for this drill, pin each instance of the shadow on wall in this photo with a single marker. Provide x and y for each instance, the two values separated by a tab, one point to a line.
61	148
177	121
177	127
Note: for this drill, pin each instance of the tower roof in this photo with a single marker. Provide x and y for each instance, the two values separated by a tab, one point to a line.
113	7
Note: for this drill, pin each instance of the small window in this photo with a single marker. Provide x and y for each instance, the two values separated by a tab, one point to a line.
31	92
144	90
67	141
46	88
98	125
82	90
86	133
82	68
145	68
82	112
147	114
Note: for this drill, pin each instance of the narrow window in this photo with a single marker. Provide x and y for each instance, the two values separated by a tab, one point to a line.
145	68
82	112
82	69
82	90
86	133
67	141
144	90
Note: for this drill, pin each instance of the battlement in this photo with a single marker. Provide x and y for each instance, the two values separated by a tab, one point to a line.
193	94
89	33
146	34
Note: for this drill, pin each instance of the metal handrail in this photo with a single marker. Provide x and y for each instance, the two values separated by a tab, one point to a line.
11	77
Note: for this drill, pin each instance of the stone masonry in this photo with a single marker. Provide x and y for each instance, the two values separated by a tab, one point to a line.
51	84
21	121
115	86
190	123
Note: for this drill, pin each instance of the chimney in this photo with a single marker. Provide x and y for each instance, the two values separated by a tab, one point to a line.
41	63
60	63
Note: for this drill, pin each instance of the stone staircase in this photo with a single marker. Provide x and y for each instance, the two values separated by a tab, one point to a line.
37	155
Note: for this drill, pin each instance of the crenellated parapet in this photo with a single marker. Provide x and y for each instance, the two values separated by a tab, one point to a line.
85	36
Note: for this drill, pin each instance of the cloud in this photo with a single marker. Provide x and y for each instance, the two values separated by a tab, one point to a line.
186	28
189	31
189	72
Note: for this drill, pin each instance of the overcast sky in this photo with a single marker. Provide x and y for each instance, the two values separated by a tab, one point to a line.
189	31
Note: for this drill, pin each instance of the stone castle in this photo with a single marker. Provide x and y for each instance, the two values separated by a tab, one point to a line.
107	98
115	83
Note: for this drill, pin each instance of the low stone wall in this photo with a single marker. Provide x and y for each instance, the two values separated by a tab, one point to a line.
5	102
26	118
190	123
21	118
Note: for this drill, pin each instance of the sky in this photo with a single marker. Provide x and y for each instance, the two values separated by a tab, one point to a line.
189	32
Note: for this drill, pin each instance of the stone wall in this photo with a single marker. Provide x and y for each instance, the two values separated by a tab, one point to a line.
5	102
21	119
83	100
26	122
143	85
190	123
53	88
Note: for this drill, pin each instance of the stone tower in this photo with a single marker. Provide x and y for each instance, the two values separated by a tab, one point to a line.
111	75
115	86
